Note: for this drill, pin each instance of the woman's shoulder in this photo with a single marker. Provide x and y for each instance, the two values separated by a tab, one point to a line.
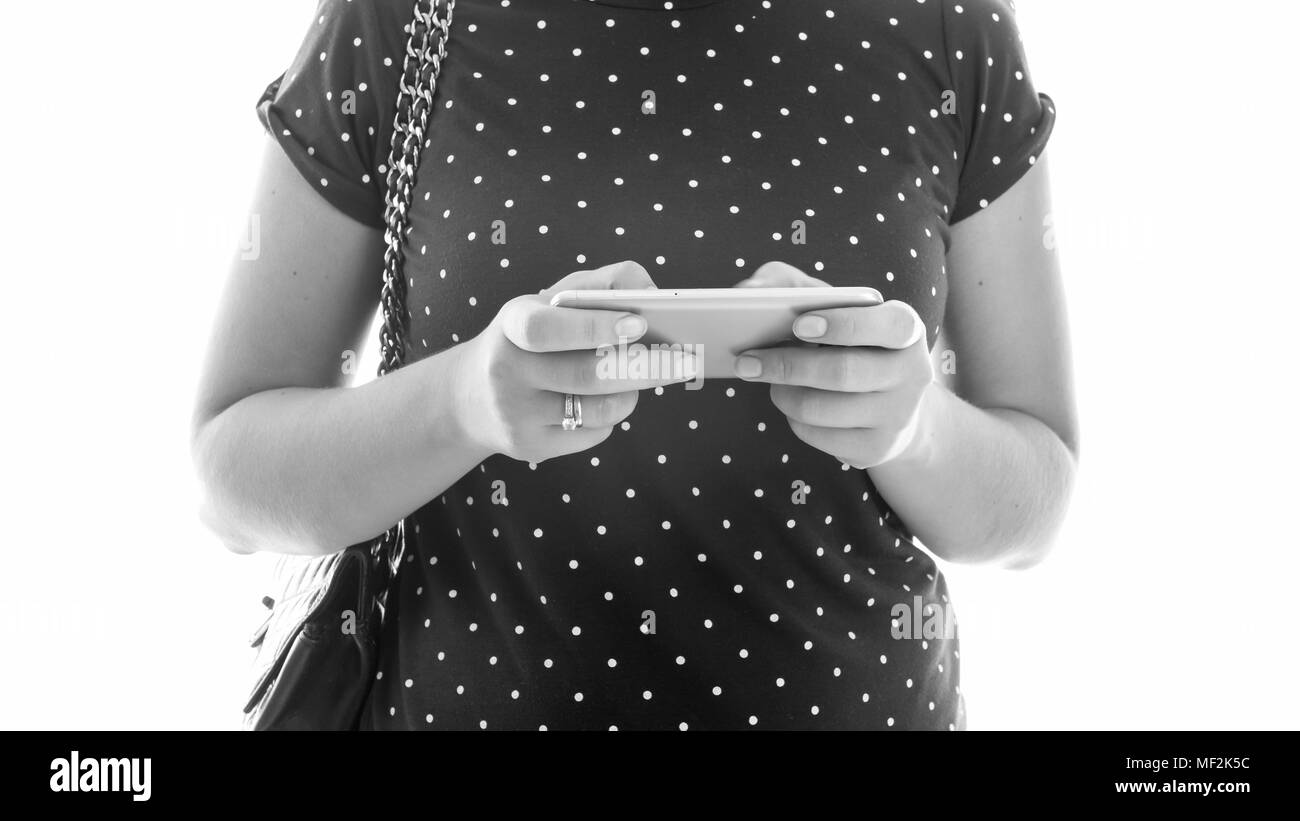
964	18
925	20
384	9
386	20
332	110
915	17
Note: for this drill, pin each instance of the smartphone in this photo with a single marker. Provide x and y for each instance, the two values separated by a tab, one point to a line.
719	324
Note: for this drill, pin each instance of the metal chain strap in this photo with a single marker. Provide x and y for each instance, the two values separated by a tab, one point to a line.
426	49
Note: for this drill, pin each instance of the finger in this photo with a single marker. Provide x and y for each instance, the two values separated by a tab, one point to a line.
533	325
598	410
855	370
891	324
609	370
780	275
625	274
834	409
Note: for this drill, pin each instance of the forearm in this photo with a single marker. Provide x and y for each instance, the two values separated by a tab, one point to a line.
977	485
311	471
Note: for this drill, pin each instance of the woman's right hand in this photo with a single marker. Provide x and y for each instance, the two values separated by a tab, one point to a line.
511	379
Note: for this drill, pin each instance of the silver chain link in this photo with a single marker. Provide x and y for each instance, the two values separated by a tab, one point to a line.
426	49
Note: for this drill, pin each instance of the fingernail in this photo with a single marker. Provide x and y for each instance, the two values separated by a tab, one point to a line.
630	326
748	367
810	327
690	366
918	333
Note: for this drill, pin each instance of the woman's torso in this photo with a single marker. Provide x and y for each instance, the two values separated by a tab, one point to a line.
702	568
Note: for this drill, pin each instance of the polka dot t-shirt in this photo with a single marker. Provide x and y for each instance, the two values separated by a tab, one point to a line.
702	568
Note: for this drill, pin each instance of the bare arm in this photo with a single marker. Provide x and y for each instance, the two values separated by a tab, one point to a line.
989	472
291	460
979	466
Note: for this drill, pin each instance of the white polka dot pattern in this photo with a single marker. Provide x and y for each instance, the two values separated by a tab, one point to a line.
702	568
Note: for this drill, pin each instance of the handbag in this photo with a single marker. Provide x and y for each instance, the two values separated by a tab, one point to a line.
317	651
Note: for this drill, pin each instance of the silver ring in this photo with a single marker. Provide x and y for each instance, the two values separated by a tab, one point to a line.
572	412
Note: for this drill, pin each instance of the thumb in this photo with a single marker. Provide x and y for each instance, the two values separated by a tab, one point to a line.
780	275
627	274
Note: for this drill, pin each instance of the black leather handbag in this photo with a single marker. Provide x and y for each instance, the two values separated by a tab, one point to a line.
317	651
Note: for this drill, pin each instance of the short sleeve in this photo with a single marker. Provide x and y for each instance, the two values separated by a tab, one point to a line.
1005	121
332	111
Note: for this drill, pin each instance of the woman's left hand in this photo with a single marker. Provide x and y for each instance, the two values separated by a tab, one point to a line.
858	397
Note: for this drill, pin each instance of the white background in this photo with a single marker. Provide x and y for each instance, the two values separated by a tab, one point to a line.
130	144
